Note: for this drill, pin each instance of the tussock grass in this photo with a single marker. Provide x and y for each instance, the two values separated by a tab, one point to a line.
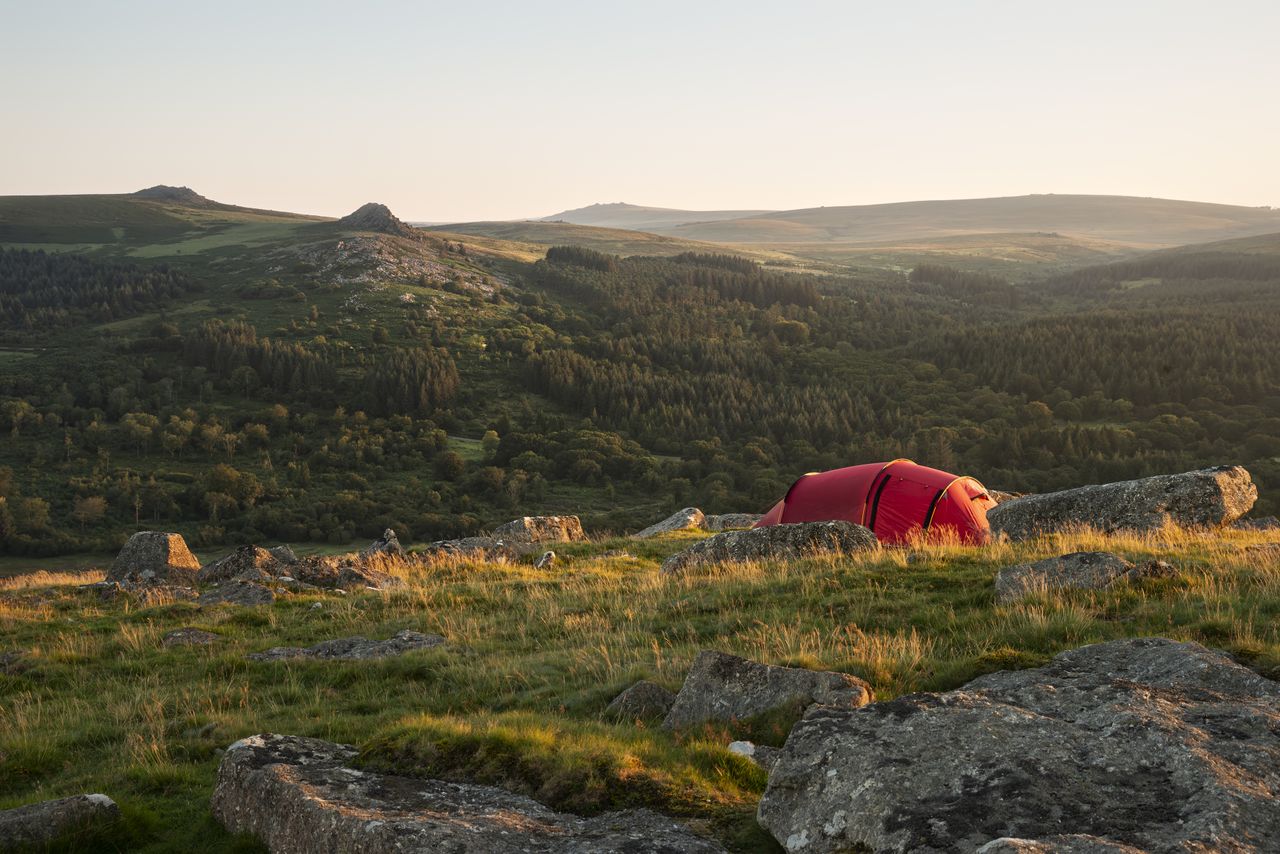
96	703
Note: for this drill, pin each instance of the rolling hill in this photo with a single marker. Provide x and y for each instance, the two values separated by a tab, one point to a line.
1010	236
641	217
1125	219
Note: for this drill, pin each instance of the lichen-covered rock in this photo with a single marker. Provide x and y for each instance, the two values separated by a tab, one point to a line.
774	542
643	701
690	518
236	592
353	648
38	825
188	637
724	687
478	548
1149	743
729	521
1208	498
247	562
302	795
1072	843
541	529
1082	570
284	554
387	544
155	557
342	572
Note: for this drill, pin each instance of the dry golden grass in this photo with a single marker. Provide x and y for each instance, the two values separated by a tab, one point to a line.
99	704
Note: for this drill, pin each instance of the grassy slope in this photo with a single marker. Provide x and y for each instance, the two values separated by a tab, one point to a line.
101	706
1009	254
642	217
1261	244
612	240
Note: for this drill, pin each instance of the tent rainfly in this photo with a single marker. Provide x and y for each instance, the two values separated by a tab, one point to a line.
898	501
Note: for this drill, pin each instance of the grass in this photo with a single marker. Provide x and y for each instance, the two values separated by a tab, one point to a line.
97	704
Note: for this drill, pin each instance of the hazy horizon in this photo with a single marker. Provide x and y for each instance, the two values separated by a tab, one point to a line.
506	111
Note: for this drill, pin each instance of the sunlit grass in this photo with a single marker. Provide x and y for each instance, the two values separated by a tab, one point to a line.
96	703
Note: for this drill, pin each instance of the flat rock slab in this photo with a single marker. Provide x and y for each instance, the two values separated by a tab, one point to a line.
688	519
644	700
729	521
541	529
301	795
724	687
1080	570
775	542
242	593
155	557
1148	743
39	824
188	637
480	548
1208	498
354	648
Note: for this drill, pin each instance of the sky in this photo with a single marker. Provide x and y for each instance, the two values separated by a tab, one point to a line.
501	110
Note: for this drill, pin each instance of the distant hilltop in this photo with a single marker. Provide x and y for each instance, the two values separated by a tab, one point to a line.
178	195
377	217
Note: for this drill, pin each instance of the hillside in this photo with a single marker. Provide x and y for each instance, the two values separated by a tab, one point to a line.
640	217
615	241
1140	222
321	383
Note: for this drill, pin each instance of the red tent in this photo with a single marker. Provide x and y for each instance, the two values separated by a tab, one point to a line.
895	500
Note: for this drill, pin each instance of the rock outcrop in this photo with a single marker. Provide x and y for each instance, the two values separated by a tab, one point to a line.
343	572
247	562
480	548
284	554
1083	570
1208	498
236	592
1148	743
729	521
353	648
155	557
387	544
184	196
36	825
643	701
303	795
377	217
723	687
688	519
541	529
775	542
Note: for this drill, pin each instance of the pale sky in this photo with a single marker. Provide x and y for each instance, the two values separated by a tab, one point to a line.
498	110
